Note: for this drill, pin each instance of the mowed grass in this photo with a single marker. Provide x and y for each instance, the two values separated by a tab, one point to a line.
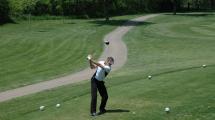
168	49
46	49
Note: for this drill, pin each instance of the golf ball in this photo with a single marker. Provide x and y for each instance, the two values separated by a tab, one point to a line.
204	66
149	77
42	108
167	109
57	105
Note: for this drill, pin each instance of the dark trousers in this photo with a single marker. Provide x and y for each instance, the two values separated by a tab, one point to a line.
98	85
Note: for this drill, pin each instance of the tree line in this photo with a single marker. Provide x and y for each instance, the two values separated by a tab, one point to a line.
97	8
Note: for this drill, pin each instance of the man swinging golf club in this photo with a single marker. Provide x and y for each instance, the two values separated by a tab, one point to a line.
97	83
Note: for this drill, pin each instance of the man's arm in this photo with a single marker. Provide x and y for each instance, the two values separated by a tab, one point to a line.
91	65
95	63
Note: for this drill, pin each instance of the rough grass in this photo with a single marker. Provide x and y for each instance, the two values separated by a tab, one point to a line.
178	81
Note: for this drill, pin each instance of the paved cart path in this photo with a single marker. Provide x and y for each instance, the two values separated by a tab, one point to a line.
116	49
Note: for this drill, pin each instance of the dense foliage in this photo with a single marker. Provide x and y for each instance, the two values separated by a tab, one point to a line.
100	8
96	8
4	11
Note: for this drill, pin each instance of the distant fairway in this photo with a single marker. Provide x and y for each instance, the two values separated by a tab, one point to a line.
171	49
46	49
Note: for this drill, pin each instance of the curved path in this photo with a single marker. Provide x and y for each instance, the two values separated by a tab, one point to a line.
116	49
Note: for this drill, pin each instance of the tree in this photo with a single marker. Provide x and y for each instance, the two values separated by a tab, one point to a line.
212	4
29	5
4	11
106	11
197	4
174	6
188	6
53	5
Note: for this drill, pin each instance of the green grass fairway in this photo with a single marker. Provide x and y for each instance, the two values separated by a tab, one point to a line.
45	49
171	49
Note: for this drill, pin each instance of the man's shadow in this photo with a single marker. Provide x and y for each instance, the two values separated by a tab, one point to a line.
116	110
113	111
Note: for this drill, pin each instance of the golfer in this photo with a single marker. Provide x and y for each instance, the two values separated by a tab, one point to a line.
97	82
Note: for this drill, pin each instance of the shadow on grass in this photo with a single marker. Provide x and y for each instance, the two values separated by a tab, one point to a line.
42	31
69	23
114	111
120	22
192	14
179	70
163	73
117	84
117	110
7	21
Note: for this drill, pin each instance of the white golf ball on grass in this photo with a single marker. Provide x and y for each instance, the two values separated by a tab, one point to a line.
57	105
167	109
42	108
204	66
149	77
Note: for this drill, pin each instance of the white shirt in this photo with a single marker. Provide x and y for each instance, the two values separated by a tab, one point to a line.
100	72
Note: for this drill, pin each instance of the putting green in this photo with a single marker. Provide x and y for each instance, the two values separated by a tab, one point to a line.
166	48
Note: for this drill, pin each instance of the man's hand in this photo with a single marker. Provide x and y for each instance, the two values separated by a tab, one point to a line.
89	57
96	63
93	64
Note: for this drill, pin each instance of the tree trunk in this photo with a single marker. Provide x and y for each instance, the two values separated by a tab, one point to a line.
106	5
174	7
77	7
188	6
197	4
212	4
